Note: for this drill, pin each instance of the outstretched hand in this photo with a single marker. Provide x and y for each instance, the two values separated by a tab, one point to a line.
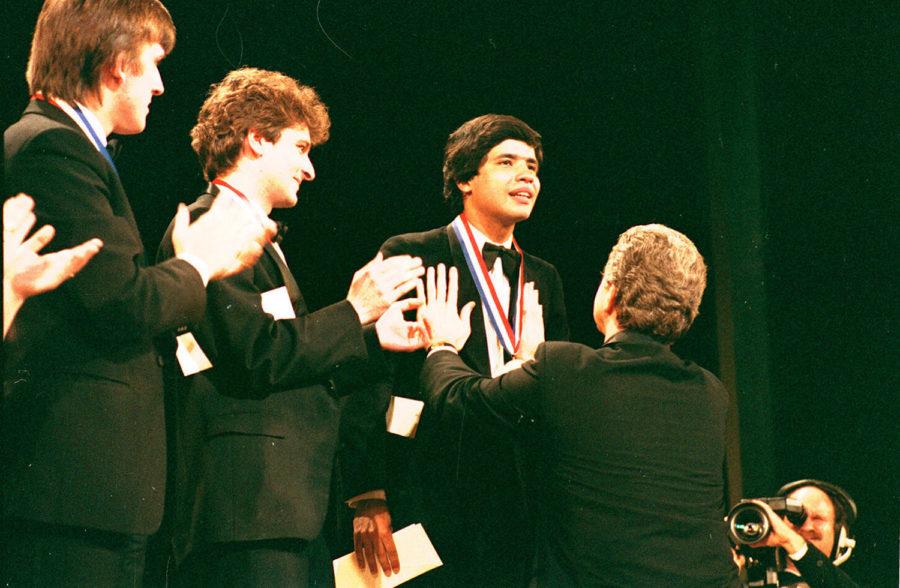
25	271
532	323
443	323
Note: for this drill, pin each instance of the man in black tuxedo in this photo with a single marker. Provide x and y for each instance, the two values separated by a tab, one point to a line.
466	483
83	432
257	426
632	437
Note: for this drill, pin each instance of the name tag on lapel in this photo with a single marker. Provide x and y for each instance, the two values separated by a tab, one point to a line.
403	416
277	302
190	356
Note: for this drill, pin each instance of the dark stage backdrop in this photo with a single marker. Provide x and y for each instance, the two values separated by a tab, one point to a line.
768	134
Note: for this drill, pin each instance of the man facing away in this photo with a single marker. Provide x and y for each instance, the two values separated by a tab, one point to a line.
465	483
83	434
632	437
257	428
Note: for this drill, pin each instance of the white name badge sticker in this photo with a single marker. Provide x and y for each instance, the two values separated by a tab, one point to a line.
190	356
277	303
403	416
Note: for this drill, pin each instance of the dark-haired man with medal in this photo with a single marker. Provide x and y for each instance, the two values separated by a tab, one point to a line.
464	483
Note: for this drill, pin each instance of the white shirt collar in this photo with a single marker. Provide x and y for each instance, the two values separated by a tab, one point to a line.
91	118
481	239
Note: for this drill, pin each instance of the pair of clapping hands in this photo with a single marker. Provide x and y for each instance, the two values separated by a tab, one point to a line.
439	321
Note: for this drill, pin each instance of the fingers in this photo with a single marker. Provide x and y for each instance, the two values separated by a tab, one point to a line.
363	547
180	227
436	284
404	288
17	210
83	254
408	304
530	293
430	287
452	287
465	315
387	554
18	219
40	238
441	283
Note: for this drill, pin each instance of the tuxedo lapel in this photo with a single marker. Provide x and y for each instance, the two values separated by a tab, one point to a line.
475	351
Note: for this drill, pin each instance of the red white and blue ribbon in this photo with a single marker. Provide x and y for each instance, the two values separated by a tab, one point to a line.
506	333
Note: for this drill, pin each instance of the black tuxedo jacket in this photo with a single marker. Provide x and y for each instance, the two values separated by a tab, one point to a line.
632	445
256	433
818	571
83	433
465	483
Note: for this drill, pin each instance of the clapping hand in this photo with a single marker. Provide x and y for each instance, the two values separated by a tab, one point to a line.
532	323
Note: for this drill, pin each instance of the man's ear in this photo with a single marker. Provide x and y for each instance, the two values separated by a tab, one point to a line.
609	296
465	187
255	143
116	73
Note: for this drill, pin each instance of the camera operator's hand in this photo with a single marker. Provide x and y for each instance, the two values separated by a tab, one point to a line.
781	534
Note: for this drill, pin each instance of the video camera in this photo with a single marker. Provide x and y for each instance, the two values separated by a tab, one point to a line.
748	523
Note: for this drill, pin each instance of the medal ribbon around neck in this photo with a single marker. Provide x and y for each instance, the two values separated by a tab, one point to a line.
509	338
241	196
92	134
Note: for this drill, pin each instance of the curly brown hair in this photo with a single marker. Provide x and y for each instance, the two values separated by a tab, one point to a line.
76	40
659	277
266	102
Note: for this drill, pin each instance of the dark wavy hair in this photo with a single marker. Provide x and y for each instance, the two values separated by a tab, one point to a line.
468	146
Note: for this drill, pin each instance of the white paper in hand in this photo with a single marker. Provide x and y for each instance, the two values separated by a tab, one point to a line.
416	553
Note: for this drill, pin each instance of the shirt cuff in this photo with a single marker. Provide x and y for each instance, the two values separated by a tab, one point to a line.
198	264
437	348
370	495
798	555
509	366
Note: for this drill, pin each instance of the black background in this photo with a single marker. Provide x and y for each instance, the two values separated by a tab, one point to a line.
618	92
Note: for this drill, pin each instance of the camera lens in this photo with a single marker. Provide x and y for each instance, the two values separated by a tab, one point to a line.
748	524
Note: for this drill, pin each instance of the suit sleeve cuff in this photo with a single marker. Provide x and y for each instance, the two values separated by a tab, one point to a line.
798	555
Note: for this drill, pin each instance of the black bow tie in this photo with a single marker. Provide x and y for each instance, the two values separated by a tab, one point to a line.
282	231
508	257
114	148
